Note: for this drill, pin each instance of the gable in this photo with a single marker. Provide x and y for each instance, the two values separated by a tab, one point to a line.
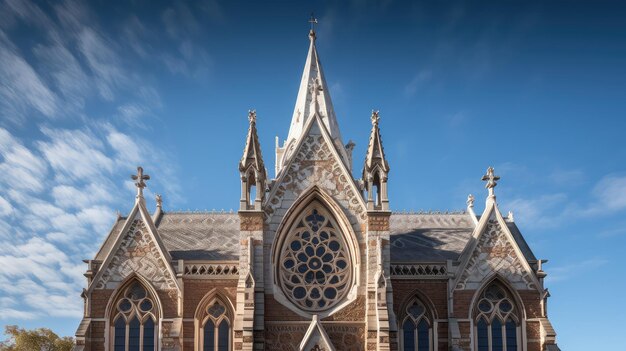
136	250
315	162
495	253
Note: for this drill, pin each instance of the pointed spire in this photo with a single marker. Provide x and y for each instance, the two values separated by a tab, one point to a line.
376	169
252	169
140	179
375	152
252	150
313	99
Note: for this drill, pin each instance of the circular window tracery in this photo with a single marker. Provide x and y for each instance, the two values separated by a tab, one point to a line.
314	267
135	302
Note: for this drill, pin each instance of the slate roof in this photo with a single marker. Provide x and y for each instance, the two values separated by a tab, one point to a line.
429	237
424	237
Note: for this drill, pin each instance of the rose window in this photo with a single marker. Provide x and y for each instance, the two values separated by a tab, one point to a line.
314	268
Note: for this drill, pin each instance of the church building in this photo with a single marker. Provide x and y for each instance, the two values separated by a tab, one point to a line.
315	259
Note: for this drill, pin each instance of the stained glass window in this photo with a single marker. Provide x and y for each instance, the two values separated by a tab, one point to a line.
135	314
315	269
494	306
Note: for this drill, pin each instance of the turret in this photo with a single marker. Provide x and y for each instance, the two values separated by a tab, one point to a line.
376	170
252	170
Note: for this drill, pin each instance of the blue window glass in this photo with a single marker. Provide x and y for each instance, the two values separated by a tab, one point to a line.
120	335
497	342
408	330
511	336
483	335
133	334
423	339
209	336
148	335
223	336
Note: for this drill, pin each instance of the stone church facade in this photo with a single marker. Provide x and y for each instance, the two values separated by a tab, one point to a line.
315	260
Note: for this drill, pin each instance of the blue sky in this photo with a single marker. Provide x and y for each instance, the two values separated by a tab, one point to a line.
536	89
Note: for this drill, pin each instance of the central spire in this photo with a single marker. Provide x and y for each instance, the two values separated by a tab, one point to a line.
313	99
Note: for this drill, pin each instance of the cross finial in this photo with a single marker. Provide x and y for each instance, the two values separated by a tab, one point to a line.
313	22
139	179
252	116
491	179
375	117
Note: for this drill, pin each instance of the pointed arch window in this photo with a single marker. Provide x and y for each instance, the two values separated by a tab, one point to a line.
497	320
216	328
134	320
315	270
416	328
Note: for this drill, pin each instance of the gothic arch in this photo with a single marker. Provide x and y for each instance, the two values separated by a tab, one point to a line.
498	316
317	202
214	309
416	322
133	305
498	279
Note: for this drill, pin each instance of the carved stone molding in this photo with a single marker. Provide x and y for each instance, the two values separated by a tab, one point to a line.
251	221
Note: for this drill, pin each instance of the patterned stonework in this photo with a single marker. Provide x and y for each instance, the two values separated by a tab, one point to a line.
138	253
346	337
250	221
284	337
378	222
315	164
353	312
494	253
287	337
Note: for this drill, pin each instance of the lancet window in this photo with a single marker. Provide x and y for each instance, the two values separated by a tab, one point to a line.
497	320
314	269
416	332
216	328
134	320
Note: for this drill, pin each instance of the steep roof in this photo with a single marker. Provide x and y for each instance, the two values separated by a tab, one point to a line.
423	237
192	235
431	237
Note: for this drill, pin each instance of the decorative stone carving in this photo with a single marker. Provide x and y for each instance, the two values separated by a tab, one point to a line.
353	312
251	221
138	253
494	253
314	163
378	222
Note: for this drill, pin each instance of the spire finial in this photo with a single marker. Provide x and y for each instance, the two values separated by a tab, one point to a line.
470	200
491	179
139	179
252	116
313	22
159	201
375	117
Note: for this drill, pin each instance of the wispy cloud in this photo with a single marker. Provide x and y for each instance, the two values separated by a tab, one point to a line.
574	269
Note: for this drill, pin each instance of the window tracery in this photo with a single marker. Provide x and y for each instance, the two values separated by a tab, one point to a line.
216	328
134	317
416	328
497	320
314	270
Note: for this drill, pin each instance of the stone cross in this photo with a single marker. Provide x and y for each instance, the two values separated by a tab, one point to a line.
139	179
252	116
313	21
491	179
375	117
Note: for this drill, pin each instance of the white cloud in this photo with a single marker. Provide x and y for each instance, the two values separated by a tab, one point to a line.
78	154
611	193
103	62
574	269
21	89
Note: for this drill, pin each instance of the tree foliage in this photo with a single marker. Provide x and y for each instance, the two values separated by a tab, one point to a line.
42	339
